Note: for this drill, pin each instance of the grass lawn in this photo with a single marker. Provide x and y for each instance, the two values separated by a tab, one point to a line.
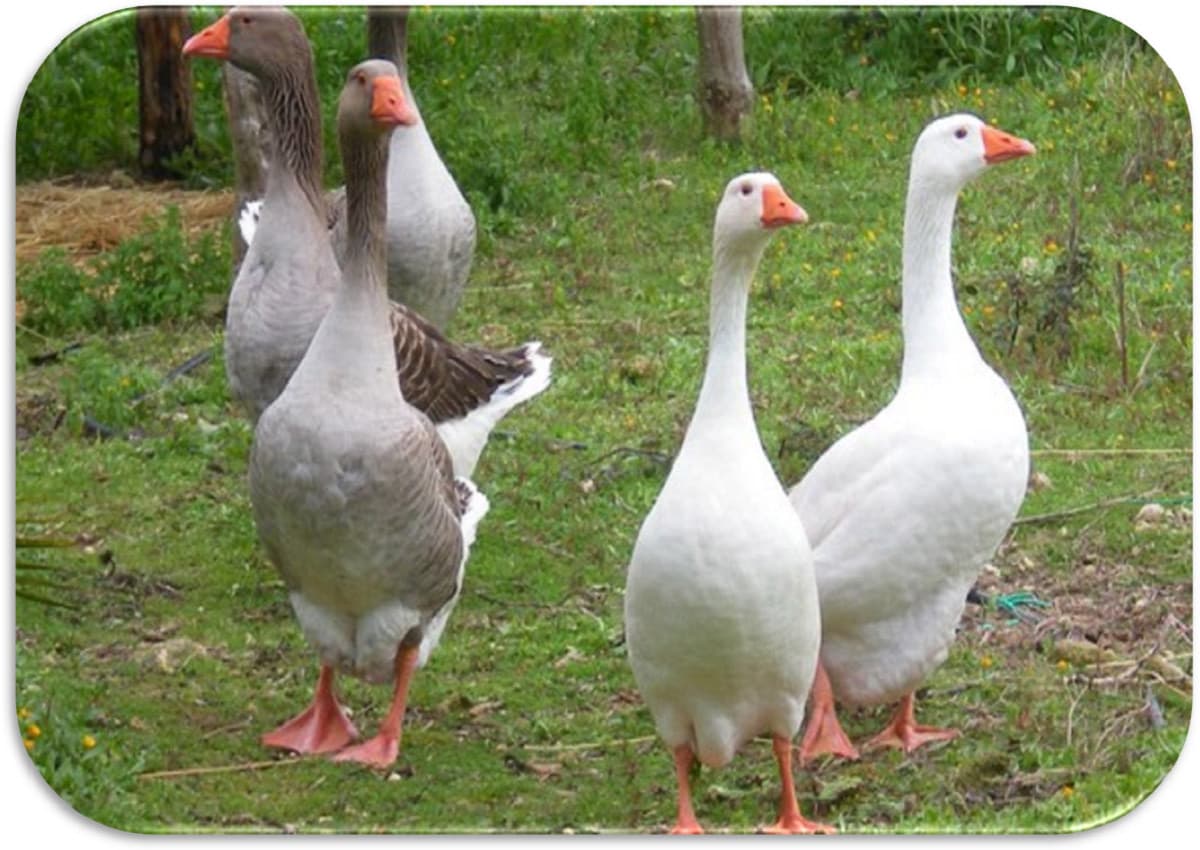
576	137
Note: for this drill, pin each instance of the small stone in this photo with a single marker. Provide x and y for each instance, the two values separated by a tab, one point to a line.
1150	515
1039	481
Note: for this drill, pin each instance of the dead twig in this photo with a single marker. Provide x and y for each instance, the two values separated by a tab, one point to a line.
1122	333
52	356
660	457
1071	453
222	768
192	363
1071	714
591	745
1082	509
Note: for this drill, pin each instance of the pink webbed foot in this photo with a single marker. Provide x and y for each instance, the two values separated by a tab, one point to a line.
685	820
903	732
382	750
321	728
790	822
823	733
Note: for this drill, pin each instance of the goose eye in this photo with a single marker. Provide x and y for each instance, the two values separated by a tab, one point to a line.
362	78
960	133
747	188
247	20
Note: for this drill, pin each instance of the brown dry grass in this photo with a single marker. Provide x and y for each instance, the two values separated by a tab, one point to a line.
87	220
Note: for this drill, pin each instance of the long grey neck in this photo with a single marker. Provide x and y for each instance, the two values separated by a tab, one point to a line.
935	336
365	162
294	117
387	35
725	390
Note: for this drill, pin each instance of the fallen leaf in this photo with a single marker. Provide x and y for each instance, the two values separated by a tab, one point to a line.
571	657
485	707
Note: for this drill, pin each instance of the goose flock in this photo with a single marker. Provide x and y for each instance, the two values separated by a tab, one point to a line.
748	605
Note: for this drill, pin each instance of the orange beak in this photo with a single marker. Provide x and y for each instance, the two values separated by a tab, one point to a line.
388	103
779	210
999	146
212	41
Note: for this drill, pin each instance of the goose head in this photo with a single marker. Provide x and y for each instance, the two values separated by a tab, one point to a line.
753	206
261	40
954	149
373	100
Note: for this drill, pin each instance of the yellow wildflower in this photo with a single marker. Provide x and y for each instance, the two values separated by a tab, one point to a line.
33	730
1068	792
985	662
24	713
1171	164
831	120
988	309
870	234
28	744
962	90
88	742
1062	665
1051	247
837	304
835	272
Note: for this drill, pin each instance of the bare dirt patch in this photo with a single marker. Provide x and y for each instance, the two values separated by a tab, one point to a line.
1102	619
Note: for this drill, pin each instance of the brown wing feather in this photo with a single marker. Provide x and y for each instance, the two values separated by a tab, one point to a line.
444	379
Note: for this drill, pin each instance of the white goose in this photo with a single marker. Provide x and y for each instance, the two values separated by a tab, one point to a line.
288	277
353	493
903	512
721	616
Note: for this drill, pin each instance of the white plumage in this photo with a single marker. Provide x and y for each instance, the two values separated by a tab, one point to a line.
904	511
721	611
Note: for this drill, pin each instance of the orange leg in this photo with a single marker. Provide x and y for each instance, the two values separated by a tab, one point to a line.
790	822
904	732
823	734
321	728
382	750
685	822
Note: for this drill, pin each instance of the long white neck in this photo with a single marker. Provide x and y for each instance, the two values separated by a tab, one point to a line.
724	391
935	336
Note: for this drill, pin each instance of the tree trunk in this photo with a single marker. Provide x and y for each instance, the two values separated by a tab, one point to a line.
164	89
251	143
725	92
387	35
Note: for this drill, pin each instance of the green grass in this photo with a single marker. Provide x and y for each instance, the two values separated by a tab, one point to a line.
183	650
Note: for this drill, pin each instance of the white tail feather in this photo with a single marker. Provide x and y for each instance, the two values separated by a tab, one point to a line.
476	508
248	220
466	437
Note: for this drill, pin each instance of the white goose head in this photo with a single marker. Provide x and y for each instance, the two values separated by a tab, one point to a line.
954	149
753	205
